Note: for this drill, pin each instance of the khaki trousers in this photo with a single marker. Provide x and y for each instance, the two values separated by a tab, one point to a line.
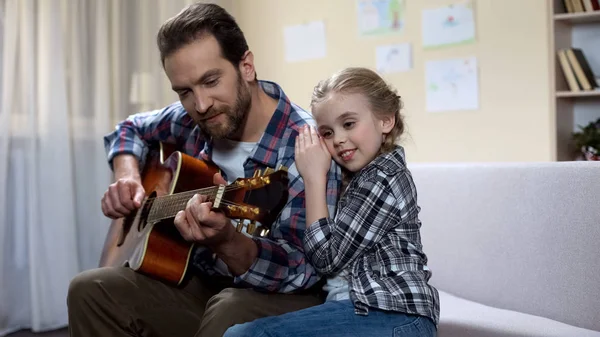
121	302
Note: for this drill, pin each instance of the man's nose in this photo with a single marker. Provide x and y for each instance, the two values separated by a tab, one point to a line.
202	102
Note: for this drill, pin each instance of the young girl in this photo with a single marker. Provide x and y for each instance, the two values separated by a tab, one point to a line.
371	250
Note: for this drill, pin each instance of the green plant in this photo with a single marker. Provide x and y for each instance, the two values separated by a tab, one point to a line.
587	140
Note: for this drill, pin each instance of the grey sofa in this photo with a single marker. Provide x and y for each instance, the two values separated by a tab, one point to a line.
514	247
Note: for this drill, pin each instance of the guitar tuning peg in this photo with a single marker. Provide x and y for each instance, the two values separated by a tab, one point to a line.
239	226
263	232
269	171
282	168
256	174
251	227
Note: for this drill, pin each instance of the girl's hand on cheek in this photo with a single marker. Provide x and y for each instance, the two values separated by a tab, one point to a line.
312	158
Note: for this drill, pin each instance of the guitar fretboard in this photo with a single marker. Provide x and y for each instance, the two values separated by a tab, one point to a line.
168	206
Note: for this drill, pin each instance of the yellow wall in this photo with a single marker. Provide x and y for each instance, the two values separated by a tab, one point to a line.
513	122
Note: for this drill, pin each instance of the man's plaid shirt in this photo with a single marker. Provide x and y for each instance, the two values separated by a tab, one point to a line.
281	264
375	237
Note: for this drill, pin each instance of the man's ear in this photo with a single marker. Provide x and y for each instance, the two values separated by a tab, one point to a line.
387	124
246	67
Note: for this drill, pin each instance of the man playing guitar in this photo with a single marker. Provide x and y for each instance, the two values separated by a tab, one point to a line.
227	117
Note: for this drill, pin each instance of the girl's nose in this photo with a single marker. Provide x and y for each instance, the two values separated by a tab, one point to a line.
339	139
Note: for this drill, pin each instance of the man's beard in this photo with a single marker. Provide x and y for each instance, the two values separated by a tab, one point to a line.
234	117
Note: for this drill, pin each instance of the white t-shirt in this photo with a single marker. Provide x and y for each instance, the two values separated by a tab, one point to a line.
337	287
230	156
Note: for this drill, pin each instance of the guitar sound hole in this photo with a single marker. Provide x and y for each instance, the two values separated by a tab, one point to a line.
141	224
144	210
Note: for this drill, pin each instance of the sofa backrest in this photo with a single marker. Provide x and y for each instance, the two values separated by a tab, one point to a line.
516	236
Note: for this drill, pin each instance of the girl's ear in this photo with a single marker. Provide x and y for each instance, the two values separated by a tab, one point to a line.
387	124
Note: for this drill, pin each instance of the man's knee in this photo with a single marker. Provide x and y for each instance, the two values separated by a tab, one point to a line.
236	306
81	286
229	307
88	285
230	301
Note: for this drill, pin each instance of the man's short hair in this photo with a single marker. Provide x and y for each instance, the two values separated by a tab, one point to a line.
196	20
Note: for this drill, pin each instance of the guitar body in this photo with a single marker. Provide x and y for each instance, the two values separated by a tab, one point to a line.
147	241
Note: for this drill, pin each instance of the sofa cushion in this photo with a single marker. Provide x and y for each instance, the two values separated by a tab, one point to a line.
516	236
464	318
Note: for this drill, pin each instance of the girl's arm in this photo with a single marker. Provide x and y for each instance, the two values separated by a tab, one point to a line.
378	204
316	203
314	164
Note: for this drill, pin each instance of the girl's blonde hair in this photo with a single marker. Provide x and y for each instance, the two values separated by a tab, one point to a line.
382	98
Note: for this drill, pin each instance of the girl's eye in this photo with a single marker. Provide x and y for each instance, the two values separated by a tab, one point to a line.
348	125
326	134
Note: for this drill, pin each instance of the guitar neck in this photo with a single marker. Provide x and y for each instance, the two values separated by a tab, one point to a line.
259	198
166	207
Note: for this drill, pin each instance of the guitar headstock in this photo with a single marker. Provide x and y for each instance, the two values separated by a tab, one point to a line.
258	181
258	199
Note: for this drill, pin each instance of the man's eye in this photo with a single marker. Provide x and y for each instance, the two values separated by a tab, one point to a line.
211	83
182	93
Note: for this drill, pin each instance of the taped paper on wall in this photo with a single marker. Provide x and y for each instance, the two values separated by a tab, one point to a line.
448	25
305	42
452	85
394	58
380	17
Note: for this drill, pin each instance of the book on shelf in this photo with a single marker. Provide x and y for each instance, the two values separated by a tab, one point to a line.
580	6
576	70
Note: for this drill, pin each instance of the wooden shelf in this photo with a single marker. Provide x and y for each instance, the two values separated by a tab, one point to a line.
571	108
584	17
573	94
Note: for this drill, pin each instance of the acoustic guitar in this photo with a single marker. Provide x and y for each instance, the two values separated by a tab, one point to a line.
147	241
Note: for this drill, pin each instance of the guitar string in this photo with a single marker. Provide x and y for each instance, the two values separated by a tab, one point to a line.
192	192
180	199
184	196
174	199
162	214
189	193
170	208
224	202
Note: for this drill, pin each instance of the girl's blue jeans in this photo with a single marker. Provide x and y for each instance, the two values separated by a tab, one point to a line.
336	318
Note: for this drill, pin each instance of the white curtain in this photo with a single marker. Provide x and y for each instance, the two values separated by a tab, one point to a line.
69	70
52	172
